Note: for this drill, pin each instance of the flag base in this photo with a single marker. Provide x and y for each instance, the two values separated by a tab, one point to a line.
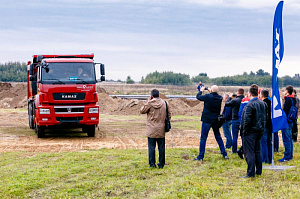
278	168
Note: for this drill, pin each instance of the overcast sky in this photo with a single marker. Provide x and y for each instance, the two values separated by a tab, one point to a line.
217	37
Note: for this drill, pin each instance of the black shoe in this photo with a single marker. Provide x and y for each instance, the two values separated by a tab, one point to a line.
226	157
196	159
246	176
153	166
240	154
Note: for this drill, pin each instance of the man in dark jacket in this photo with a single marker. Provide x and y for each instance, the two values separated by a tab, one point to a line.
227	113
235	124
287	132
209	118
266	141
295	124
253	123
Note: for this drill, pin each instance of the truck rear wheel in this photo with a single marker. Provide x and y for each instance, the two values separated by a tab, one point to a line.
91	130
30	115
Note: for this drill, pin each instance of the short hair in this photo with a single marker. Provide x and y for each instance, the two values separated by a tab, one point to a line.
215	88
254	91
155	93
264	93
289	89
254	85
240	91
234	95
226	95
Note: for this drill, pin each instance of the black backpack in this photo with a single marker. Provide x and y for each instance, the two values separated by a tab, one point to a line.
292	116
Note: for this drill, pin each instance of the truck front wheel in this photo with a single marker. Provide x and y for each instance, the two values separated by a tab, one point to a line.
40	131
90	130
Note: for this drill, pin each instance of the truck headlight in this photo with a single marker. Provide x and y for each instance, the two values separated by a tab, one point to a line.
93	110
44	111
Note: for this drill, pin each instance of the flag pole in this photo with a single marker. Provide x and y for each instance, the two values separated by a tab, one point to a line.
279	120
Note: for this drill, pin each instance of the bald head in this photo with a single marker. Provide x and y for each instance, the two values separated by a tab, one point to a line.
214	88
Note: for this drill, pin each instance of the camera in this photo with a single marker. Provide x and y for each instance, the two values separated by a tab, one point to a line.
205	88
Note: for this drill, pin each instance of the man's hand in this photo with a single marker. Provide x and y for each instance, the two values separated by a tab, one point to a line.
150	98
202	89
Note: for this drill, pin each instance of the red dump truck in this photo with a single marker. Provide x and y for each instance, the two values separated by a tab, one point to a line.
62	92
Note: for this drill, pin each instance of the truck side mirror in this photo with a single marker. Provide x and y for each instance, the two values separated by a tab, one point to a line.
32	76
39	58
102	78
102	71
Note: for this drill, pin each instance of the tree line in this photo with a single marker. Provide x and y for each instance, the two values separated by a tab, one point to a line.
259	77
13	72
17	72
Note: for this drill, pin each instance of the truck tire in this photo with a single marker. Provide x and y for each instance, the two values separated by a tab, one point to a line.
30	115
91	130
40	131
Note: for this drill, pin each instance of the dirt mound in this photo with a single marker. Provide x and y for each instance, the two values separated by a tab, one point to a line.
162	96
190	102
13	96
4	86
101	90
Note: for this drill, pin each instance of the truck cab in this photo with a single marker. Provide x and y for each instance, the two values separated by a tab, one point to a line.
62	93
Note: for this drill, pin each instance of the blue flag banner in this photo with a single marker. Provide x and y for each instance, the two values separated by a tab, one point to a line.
279	119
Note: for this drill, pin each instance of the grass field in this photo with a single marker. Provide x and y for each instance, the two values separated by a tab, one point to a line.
125	173
120	173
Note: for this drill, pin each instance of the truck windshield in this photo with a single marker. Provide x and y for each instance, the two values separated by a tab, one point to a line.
66	72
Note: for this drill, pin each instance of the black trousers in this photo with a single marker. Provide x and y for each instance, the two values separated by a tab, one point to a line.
252	153
295	131
151	151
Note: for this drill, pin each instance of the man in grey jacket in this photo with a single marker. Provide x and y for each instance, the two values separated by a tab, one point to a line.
155	128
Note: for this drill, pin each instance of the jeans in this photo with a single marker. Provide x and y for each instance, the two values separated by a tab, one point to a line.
235	125
227	133
161	150
251	149
204	133
266	146
276	142
287	142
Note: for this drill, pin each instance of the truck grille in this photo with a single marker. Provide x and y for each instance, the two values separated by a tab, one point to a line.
68	96
68	109
69	119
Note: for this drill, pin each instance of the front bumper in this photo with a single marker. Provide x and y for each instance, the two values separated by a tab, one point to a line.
68	115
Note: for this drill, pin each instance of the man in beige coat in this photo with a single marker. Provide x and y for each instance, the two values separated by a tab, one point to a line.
155	128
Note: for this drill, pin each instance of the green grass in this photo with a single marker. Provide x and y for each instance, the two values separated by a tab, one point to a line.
125	173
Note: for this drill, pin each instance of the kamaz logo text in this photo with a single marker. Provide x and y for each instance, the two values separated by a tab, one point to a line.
68	96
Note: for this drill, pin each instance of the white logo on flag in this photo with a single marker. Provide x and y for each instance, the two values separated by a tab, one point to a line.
277	48
278	112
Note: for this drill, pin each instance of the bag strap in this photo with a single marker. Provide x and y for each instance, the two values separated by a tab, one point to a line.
167	109
292	101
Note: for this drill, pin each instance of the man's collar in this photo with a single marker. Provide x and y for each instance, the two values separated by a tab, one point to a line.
254	98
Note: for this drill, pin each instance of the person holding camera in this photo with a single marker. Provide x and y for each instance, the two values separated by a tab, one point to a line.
155	128
209	118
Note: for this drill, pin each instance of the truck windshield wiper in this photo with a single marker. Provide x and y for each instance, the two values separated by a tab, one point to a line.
82	81
58	81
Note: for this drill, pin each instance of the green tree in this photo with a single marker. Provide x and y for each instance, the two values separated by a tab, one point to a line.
13	71
129	80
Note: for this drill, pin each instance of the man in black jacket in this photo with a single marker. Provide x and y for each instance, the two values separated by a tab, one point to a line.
235	123
209	118
287	139
266	140
253	123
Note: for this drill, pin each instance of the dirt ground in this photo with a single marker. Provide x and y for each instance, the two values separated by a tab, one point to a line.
121	125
